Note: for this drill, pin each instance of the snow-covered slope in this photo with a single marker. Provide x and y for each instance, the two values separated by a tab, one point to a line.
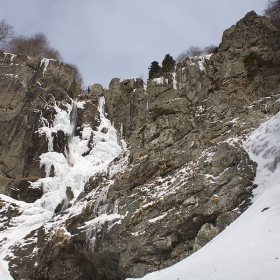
250	247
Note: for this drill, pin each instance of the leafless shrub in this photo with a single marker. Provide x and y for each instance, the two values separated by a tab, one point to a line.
181	57
210	49
36	45
194	51
6	30
53	53
190	52
272	11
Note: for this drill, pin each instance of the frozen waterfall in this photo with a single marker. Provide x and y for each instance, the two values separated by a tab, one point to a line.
66	173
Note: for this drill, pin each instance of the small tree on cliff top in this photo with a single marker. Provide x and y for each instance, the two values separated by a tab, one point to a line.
154	70
168	64
190	52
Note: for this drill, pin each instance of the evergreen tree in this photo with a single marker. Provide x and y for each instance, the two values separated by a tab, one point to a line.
154	70
168	64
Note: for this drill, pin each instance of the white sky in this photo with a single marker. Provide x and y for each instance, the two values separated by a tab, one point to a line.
120	38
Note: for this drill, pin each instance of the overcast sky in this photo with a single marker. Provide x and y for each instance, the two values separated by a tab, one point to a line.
120	38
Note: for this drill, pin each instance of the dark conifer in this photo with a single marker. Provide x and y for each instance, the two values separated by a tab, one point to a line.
154	70
168	64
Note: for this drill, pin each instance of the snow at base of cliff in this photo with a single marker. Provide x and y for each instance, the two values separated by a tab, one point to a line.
250	247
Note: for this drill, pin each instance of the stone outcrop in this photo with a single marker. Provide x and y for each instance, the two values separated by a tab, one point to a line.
183	178
28	86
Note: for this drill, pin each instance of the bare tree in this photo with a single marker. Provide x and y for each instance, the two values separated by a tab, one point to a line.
272	11
6	30
181	57
190	52
210	49
194	51
52	53
36	45
16	44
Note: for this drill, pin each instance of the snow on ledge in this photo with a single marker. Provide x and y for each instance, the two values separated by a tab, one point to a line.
13	56
157	218
160	81
45	62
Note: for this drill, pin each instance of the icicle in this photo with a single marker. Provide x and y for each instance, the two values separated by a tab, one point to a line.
121	130
116	207
174	80
73	120
146	93
44	62
101	106
145	86
201	66
102	198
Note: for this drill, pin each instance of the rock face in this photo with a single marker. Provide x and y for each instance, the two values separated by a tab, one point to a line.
182	179
27	90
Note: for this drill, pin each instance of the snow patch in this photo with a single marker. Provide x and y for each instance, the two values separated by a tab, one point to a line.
12	56
161	81
12	76
45	62
200	66
157	218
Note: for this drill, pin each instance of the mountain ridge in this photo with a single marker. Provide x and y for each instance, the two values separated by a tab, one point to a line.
176	177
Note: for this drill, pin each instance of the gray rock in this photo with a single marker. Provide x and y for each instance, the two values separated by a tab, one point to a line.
205	234
96	90
187	175
27	92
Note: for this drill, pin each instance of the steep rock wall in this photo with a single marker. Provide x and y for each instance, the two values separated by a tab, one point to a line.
28	86
184	177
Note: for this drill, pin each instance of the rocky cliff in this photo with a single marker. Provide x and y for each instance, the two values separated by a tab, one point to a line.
160	166
27	94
